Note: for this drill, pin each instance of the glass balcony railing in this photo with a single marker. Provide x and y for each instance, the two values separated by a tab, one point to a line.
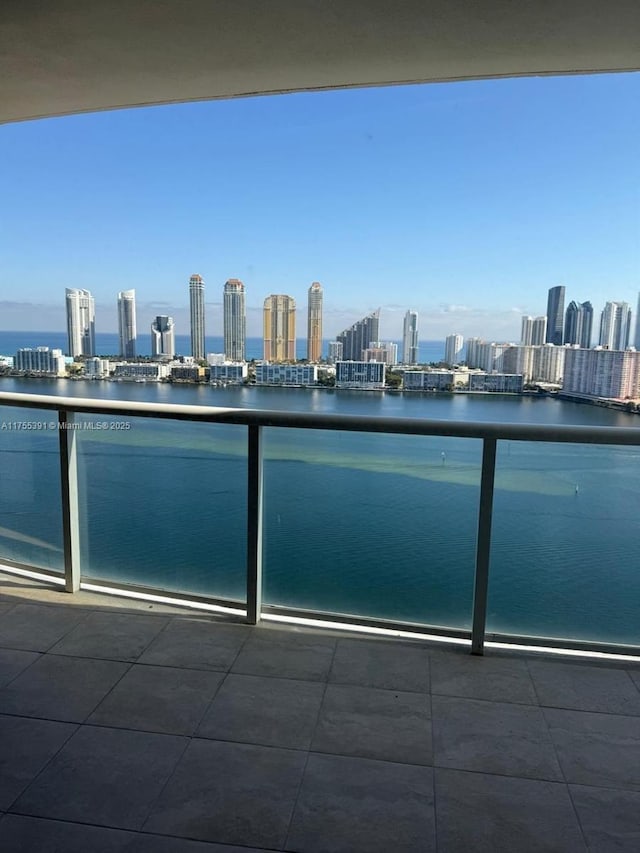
472	530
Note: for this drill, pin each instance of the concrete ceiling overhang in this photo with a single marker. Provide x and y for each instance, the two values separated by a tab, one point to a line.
68	56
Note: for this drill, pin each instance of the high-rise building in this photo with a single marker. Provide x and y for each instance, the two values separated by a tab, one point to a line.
314	322
578	322
410	338
384	351
360	336
555	315
81	322
453	349
601	373
636	341
162	337
196	302
235	320
335	352
533	332
615	326
279	317
127	323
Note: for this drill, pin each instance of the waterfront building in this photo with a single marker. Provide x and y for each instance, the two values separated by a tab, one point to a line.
234	320
196	304
335	352
40	360
410	338
615	326
578	323
636	340
148	370
187	372
548	364
127	323
97	368
230	373
453	349
519	360
489	356
81	322
163	343
360	374
314	322
555	316
216	358
386	352
359	337
279	328
435	380
499	383
286	374
612	374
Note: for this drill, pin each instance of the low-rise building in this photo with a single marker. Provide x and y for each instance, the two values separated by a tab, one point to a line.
187	373
360	374
232	373
151	371
501	383
286	374
50	362
97	368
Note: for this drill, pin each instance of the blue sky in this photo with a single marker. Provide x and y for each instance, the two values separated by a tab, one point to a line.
464	201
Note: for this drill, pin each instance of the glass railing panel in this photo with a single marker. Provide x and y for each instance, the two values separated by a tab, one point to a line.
371	525
163	504
30	493
565	552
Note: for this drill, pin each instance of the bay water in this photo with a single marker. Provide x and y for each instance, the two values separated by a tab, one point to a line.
372	525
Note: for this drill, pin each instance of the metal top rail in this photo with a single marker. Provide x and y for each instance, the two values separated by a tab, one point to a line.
351	423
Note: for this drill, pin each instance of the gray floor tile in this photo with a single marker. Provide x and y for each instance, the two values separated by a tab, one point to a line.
497	679
584	688
158	699
372	723
610	818
635	676
25	748
268	711
110	776
36	627
356	805
286	654
13	662
61	688
231	793
145	843
197	644
498	814
492	737
597	749
21	834
391	666
111	635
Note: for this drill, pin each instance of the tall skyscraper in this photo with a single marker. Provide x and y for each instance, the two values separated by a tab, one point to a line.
615	325
81	322
279	317
360	336
410	338
578	322
636	341
196	302
235	320
127	323
162	337
534	331
555	315
453	349
314	322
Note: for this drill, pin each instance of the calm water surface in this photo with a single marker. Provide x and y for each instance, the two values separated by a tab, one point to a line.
364	524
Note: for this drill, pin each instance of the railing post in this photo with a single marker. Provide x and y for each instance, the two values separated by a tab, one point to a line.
483	548
254	525
70	517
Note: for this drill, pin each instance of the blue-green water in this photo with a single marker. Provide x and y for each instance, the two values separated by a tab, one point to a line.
366	524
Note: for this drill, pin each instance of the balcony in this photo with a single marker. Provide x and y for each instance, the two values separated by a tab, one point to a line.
183	710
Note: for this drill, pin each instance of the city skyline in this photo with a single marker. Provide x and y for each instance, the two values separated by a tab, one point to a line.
496	192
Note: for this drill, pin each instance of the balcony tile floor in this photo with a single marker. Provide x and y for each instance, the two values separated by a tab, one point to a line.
129	726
